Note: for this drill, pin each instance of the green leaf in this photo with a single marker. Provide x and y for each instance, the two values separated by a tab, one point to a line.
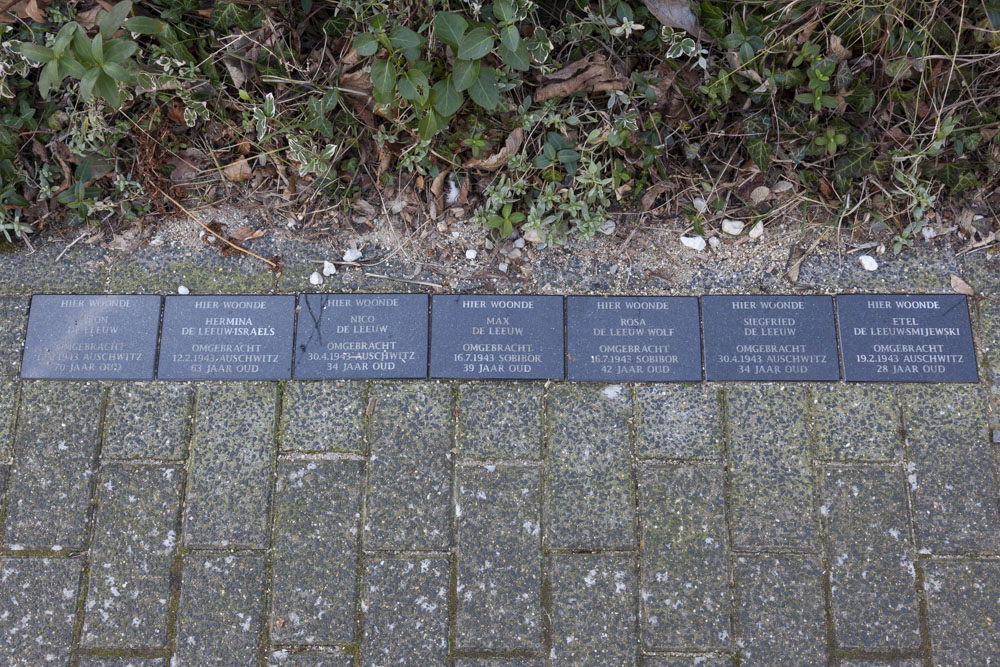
383	75
465	73
72	67
366	44
510	37
503	10
413	86
110	21
107	88
484	91
712	19
81	46
475	44
36	53
97	48
406	41
63	38
119	50
116	71
447	99
49	78
429	125
88	82
853	165
144	25
760	152
449	28
517	59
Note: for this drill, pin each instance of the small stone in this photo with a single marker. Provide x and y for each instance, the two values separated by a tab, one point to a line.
759	194
782	186
607	228
471	254
514	254
183	290
732	227
352	255
613	270
543	246
329	268
699	204
315	278
868	263
996	436
928	233
454	235
694	242
532	236
503	267
519	243
715	242
757	230
488	245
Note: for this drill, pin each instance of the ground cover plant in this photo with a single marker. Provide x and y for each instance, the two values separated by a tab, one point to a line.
554	117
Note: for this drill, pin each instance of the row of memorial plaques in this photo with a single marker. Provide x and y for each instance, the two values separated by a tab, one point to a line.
882	338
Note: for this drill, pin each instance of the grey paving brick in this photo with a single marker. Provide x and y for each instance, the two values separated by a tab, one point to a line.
677	421
322	417
201	268
951	471
80	270
855	422
147	420
688	661
232	454
881	663
409	479
316	552
500	420
593	610
963	599
872	574
780	613
919	269
92	661
219	618
405	603
588	492
684	570
8	416
134	542
987	319
55	451
13	321
38	610
498	662
772	485
288	659
499	557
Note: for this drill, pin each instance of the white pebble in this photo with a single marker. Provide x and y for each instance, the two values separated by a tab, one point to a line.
694	242
928	233
607	228
471	254
519	243
315	278
352	255
732	227
868	262
532	236
699	204
714	241
183	290
757	230
503	267
329	268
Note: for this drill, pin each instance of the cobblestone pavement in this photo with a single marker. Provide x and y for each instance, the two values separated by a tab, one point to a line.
497	524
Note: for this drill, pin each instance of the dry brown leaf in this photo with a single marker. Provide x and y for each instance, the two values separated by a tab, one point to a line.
961	287
652	193
34	11
238	171
591	74
175	110
356	87
498	159
838	50
675	14
187	164
243	234
437	190
26	9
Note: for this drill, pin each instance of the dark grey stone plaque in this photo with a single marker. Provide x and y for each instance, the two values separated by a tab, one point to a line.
227	338
908	338
93	337
361	336
497	337
770	338
633	339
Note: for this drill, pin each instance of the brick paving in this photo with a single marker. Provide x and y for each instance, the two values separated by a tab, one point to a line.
496	524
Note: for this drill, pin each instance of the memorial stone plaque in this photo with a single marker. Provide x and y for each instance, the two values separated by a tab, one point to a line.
497	337
911	338
93	337
770	338
227	338
633	339
361	336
